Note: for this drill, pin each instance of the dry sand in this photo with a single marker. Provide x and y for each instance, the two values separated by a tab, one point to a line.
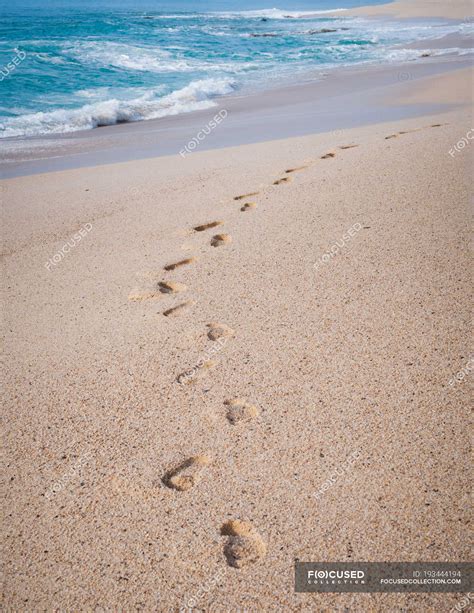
452	9
351	353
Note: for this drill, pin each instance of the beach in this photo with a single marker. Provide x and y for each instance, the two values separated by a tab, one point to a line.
272	330
461	9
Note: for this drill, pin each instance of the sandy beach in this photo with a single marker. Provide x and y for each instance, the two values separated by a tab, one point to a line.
195	340
459	9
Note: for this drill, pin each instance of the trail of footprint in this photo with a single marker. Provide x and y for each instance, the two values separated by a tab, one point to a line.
188	474
243	196
248	206
221	239
401	133
244	546
326	156
178	308
348	146
208	226
283	180
180	263
239	410
217	331
171	287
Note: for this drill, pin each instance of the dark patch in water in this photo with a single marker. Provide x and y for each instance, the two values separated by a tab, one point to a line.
263	35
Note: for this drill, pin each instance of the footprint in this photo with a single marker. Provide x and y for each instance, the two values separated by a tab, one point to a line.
248	206
391	136
138	296
243	196
297	169
178	308
244	545
218	331
283	180
180	263
207	226
188	474
239	410
326	156
170	287
348	146
197	372
437	125
221	239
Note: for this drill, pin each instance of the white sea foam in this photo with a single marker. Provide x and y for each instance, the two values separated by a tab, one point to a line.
146	59
195	96
50	58
273	14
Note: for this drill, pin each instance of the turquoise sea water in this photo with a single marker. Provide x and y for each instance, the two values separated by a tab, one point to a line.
79	64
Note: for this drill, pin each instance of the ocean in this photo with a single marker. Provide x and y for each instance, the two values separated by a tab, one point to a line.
81	64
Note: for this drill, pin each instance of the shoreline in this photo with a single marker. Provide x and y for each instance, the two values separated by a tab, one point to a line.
250	118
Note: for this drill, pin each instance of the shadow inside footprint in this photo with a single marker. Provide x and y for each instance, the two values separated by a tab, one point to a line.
243	196
170	287
179	264
327	156
244	546
283	180
217	331
221	239
239	410
248	206
188	474
207	226
297	169
178	308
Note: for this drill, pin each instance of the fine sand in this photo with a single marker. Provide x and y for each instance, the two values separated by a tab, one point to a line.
452	9
177	395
